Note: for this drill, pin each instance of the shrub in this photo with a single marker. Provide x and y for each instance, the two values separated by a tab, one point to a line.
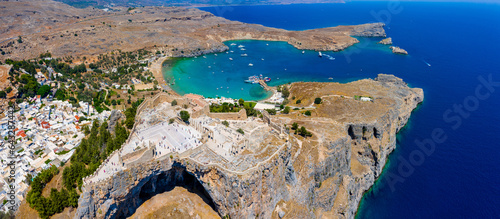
307	113
174	103
226	123
317	100
286	110
240	131
298	102
184	115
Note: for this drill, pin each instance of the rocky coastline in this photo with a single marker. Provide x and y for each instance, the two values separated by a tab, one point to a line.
302	179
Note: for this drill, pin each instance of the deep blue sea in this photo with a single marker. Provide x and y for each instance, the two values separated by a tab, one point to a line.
454	51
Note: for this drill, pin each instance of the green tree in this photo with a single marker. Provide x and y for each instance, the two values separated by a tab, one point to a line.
226	123
285	93
184	115
43	91
286	110
3	94
174	103
317	100
241	102
295	126
298	101
307	113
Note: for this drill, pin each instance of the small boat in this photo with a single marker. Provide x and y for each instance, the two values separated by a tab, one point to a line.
231	59
241	46
215	54
250	64
262	59
244	55
330	78
233	44
231	51
204	57
267	44
320	54
303	51
243	49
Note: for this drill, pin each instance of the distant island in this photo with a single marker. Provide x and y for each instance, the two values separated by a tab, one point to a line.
189	3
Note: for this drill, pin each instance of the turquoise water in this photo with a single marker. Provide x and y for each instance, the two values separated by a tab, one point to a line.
215	75
461	177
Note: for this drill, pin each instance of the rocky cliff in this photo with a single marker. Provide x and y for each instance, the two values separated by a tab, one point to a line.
320	176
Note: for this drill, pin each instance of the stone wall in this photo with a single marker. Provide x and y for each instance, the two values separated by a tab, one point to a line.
240	115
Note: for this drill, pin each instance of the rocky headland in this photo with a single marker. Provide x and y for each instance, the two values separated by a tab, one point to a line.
276	173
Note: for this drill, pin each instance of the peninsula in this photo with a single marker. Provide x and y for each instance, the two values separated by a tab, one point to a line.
295	164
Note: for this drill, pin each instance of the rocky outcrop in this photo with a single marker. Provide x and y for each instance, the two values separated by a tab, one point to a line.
386	41
113	119
323	176
398	50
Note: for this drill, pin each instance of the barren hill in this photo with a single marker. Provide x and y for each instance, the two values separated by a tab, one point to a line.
46	25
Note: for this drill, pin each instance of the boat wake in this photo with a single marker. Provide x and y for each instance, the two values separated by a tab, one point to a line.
426	63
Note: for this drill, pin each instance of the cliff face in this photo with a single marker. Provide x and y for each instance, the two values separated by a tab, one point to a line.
320	176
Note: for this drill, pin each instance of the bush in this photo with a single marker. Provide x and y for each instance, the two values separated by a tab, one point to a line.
174	103
286	110
170	121
226	123
184	115
298	102
317	100
3	94
240	131
307	113
271	111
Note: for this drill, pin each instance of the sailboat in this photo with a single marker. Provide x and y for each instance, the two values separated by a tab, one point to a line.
320	54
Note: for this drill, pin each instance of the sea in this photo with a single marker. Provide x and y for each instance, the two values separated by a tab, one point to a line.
447	160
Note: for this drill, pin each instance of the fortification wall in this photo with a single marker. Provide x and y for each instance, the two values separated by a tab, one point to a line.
240	115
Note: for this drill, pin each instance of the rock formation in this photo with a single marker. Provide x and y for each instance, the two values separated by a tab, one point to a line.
320	176
386	41
398	50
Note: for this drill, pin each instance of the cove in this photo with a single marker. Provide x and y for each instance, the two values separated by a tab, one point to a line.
223	74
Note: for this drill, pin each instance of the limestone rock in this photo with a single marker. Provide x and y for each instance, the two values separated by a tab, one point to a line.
386	41
398	50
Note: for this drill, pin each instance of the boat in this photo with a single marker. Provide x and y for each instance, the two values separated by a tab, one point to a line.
303	51
244	55
320	55
330	78
241	46
231	51
233	44
242	49
204	57
262	59
231	59
252	79
250	64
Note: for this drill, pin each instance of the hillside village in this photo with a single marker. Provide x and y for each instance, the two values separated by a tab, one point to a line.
46	134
